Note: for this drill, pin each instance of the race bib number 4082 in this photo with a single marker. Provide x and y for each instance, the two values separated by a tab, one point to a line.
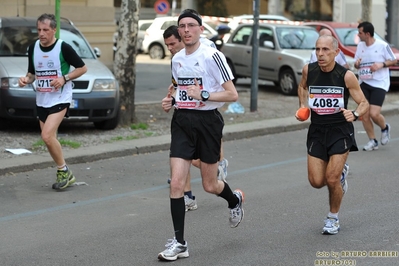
326	100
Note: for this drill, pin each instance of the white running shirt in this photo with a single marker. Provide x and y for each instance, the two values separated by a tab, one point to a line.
48	67
208	66
378	52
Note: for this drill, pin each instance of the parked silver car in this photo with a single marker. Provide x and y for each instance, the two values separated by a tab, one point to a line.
95	94
284	48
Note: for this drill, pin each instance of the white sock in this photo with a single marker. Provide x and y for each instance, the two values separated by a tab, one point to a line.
62	168
333	215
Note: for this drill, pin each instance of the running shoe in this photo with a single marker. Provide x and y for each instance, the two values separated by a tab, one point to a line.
65	178
331	226
371	145
222	169
386	135
344	182
237	213
174	250
191	203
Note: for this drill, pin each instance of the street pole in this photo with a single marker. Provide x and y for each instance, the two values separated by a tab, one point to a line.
255	58
174	8
57	17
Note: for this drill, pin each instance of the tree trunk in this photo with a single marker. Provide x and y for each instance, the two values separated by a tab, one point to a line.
125	59
366	10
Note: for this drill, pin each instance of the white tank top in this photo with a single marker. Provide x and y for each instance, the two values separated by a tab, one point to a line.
48	66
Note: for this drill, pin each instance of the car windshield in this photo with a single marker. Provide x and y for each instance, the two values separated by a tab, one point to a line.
14	41
349	37
296	38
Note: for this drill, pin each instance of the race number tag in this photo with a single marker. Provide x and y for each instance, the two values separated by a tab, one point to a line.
183	101
326	100
43	80
365	71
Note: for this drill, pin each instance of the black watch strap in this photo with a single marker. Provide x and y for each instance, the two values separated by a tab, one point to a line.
355	115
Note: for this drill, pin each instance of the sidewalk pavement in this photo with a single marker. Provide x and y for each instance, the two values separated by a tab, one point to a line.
154	144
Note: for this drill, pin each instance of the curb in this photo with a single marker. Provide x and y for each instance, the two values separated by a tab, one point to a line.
159	143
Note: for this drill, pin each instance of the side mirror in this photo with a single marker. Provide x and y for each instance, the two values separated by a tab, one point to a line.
97	51
268	44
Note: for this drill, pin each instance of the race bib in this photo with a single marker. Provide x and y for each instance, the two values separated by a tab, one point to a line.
183	101
43	80
365	71
326	100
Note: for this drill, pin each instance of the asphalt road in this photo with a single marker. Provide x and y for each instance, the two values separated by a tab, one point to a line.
121	217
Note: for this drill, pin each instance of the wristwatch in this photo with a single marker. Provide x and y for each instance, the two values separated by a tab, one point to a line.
67	78
205	95
355	114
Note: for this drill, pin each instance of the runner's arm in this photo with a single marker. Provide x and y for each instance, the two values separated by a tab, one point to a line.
356	93
303	88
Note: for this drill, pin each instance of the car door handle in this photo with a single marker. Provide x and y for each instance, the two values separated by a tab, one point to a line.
248	51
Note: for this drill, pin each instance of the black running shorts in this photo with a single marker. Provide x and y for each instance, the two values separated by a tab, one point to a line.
374	96
43	112
196	135
326	140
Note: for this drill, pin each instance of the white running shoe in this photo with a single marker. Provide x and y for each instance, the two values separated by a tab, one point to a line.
174	250
191	204
344	182
371	145
386	135
222	169
331	226
237	213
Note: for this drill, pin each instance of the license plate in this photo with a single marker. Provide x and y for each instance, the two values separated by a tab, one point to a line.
74	104
394	73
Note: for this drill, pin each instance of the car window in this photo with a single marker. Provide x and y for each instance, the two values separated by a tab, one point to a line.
167	24
16	40
78	43
242	35
349	37
145	26
296	38
265	34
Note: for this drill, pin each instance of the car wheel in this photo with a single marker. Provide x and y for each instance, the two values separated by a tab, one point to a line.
108	124
287	82
156	52
232	71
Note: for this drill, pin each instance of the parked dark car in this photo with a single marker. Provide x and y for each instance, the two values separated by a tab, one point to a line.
95	94
284	49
